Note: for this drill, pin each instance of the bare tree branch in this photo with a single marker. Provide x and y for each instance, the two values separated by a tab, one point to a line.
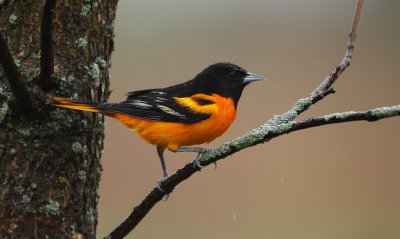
14	77
277	126
46	46
330	79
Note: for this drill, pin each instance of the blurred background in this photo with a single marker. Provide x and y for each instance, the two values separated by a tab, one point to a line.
337	181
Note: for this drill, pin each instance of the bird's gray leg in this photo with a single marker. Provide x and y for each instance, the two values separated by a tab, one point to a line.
160	152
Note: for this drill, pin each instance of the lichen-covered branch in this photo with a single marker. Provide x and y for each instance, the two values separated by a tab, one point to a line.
14	77
370	115
277	126
46	46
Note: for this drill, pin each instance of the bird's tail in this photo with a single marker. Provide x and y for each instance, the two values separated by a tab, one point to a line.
77	105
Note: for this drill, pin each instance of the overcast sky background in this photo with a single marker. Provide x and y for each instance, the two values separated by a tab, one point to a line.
337	181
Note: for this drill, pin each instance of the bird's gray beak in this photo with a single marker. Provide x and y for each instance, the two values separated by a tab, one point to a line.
251	77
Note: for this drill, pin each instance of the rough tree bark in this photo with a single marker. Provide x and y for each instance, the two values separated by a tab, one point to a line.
50	158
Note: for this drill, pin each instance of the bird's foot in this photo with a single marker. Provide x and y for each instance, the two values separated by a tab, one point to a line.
197	161
159	187
198	150
159	182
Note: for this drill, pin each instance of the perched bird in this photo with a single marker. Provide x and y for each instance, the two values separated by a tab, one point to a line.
190	113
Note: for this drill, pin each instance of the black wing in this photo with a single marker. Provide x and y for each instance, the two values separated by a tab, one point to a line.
156	104
134	94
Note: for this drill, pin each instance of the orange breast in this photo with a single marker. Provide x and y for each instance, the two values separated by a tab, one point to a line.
173	135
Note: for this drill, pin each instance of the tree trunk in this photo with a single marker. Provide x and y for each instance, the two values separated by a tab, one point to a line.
50	159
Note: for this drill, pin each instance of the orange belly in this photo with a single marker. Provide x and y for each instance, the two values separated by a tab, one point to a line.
173	135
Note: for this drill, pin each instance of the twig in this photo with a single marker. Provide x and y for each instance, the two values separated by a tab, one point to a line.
370	115
330	79
46	46
277	126
14	77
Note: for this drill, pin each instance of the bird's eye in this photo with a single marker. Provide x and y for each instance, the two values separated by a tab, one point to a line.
232	74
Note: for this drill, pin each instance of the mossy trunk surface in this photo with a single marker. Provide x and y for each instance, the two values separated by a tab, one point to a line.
50	160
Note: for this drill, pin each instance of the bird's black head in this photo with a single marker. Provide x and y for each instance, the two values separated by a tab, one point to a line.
225	79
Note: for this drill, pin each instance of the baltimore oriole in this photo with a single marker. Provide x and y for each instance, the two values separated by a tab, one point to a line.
190	113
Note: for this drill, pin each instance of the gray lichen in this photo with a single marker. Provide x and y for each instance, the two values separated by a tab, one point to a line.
13	19
280	128
26	199
99	60
99	117
5	93
94	71
51	208
82	42
82	175
19	189
90	216
65	81
299	106
36	55
3	111
84	164
85	149
77	147
13	151
61	117
75	96
85	9
25	132
303	103
17	62
385	112
57	114
342	115
84	123
329	117
219	151
70	78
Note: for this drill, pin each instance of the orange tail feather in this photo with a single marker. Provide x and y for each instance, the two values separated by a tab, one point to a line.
76	104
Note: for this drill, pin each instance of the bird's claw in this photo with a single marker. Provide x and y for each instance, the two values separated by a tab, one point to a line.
158	185
197	161
159	182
